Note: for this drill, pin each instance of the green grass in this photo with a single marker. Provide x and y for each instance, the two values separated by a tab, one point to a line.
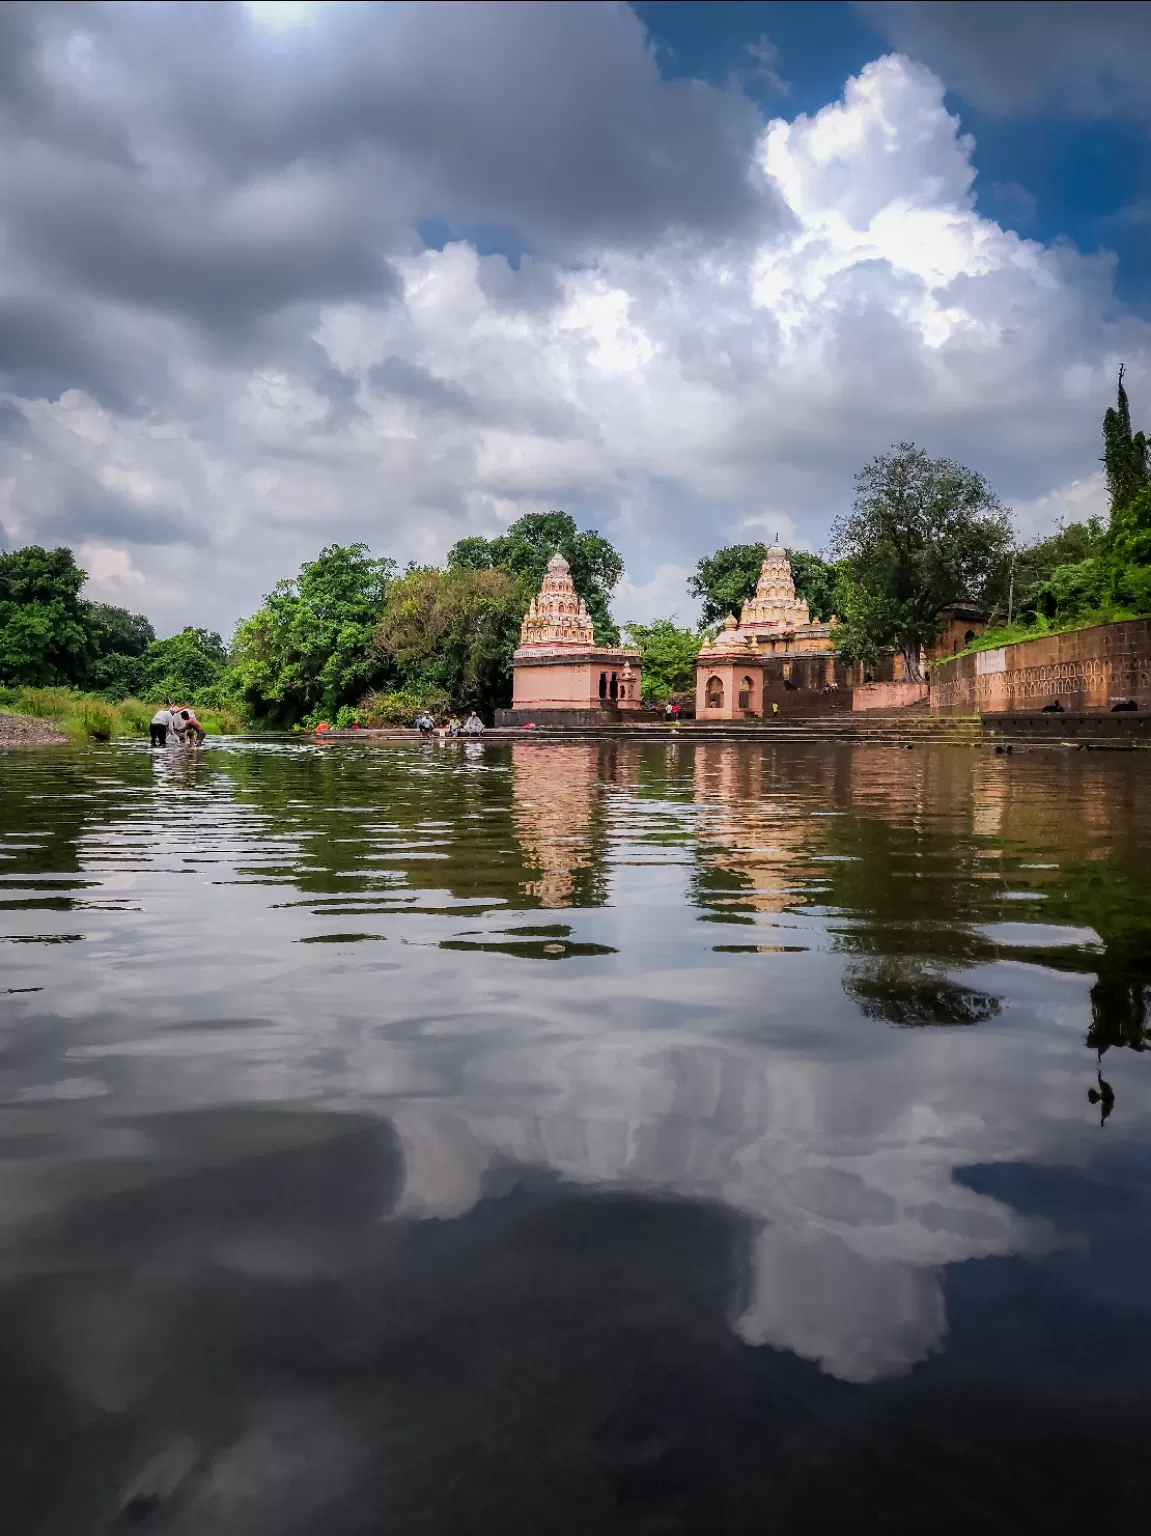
88	717
1013	634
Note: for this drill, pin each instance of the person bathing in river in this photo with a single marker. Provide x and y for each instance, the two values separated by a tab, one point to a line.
158	729
188	727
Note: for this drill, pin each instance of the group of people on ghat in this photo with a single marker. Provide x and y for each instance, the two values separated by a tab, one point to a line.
426	724
179	722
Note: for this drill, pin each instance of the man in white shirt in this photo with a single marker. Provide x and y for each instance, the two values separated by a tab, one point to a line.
158	730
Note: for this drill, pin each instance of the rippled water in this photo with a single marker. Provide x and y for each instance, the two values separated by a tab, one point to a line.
574	1138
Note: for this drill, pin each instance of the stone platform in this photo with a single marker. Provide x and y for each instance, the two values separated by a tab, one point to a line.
1083	729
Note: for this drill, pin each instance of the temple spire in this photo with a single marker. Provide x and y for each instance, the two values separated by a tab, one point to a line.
557	617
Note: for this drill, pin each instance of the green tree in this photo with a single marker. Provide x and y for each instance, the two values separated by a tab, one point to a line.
44	639
117	631
816	581
727	579
183	667
1126	454
453	632
117	639
923	533
668	658
310	647
525	549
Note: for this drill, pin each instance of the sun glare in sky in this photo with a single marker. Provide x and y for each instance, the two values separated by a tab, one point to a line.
278	15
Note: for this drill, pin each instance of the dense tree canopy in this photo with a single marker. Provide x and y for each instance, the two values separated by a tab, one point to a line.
727	579
117	631
668	658
44	638
524	550
923	533
311	646
184	667
453	633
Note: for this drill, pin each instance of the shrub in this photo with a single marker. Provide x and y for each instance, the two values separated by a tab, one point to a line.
99	720
402	706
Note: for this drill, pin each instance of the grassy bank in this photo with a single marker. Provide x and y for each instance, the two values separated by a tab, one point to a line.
88	717
1012	634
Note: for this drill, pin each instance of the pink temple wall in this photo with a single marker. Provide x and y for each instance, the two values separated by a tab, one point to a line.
569	685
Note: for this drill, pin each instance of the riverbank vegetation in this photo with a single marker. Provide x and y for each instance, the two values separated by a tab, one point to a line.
351	638
92	717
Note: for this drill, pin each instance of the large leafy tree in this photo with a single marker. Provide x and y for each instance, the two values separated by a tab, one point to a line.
183	667
310	647
727	579
118	639
453	632
117	631
668	658
44	637
524	550
923	533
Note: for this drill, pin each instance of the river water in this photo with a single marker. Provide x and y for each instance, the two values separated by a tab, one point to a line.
574	1138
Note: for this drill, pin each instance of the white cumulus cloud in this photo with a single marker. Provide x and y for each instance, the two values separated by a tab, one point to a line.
676	392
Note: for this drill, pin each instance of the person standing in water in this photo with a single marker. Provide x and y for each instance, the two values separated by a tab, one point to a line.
186	724
158	730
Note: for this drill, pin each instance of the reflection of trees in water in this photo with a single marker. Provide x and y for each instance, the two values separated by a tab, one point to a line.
379	823
911	995
1088	809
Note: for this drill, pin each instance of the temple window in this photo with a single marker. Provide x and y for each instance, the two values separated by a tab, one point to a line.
745	691
969	637
714	693
603	685
787	669
613	690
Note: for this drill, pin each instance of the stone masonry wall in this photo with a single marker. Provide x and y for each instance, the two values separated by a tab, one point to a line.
1087	671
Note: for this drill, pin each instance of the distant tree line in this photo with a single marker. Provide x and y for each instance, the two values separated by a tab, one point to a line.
351	637
924	534
50	636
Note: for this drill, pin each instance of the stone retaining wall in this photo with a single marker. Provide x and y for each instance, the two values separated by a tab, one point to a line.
1087	671
888	695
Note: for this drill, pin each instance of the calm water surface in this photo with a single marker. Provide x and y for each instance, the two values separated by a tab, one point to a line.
574	1138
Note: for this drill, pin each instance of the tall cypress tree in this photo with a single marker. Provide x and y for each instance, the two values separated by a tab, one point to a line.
1126	455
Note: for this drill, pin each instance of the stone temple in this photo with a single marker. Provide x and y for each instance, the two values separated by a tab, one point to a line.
774	650
560	675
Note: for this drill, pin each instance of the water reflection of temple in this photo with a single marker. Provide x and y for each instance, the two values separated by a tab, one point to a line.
554	812
746	830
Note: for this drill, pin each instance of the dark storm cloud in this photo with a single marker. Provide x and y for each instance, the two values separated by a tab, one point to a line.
551	119
100	517
1092	57
53	342
183	161
83	511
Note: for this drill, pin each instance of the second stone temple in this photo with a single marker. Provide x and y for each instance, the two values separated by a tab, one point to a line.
773	651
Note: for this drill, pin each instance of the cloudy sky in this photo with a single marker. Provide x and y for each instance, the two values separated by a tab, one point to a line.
279	275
